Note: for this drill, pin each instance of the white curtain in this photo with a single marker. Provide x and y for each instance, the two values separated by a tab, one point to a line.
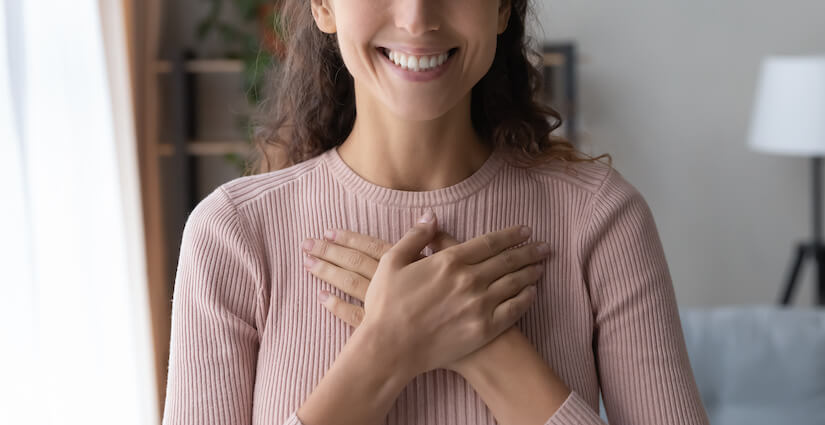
75	340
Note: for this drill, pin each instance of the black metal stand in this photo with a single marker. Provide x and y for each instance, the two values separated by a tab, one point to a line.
814	249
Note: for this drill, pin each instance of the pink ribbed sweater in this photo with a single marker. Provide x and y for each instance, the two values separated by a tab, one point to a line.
250	341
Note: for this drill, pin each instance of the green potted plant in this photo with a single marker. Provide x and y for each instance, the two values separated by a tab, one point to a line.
257	42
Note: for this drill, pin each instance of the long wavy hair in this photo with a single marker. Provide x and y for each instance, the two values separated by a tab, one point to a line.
309	98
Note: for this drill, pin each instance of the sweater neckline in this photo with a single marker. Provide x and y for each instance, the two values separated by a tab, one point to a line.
353	182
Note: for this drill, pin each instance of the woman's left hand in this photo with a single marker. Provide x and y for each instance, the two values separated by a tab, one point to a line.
348	260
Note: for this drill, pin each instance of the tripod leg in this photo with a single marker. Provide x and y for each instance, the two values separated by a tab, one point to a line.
801	251
820	270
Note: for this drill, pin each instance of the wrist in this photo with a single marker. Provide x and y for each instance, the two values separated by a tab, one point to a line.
360	387
379	349
487	356
514	381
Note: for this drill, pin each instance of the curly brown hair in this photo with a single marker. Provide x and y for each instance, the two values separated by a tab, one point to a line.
312	106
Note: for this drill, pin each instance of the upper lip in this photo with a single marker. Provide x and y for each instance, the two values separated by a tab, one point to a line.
417	51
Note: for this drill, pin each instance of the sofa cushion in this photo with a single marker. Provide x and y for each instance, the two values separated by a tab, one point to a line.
758	364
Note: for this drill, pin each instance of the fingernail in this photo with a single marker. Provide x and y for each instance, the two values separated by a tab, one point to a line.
525	231
307	245
322	296
543	248
427	217
329	235
309	261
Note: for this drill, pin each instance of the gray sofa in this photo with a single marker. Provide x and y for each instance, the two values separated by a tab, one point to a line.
758	365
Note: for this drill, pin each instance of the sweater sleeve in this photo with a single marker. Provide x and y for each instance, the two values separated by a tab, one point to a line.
644	371
214	338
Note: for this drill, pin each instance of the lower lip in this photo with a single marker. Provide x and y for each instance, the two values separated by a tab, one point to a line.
419	76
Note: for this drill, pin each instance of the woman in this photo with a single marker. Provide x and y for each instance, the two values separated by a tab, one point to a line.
389	110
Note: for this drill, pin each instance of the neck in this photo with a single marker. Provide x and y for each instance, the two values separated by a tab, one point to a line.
413	155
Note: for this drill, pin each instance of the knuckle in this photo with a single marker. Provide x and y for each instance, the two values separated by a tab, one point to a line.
486	327
508	258
354	259
511	311
356	315
490	242
513	282
478	328
375	248
478	308
349	283
343	238
465	279
322	247
448	258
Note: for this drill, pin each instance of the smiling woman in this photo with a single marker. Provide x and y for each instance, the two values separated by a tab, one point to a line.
540	287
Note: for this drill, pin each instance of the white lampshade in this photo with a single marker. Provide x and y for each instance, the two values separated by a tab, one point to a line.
789	111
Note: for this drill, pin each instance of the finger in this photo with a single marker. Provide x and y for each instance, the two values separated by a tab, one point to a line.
510	311
369	245
510	285
347	258
490	244
442	240
408	249
350	282
374	247
352	314
510	261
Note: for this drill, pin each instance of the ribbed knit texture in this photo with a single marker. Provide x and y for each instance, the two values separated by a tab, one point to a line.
250	341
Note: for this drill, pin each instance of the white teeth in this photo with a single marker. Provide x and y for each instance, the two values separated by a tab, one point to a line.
416	63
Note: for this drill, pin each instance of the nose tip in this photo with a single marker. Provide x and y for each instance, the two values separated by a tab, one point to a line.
417	17
419	28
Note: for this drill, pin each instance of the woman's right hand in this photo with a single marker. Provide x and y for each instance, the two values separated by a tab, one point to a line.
437	309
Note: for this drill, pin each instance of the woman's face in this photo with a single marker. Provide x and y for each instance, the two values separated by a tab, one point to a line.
418	58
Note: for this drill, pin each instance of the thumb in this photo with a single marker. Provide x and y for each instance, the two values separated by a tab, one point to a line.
416	239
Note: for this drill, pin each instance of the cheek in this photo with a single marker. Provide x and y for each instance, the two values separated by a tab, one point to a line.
479	59
479	28
354	38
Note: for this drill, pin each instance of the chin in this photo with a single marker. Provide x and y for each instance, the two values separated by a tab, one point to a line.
421	111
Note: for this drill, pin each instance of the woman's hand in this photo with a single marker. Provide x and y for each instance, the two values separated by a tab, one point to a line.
458	301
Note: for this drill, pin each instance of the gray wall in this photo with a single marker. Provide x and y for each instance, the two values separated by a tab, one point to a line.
666	89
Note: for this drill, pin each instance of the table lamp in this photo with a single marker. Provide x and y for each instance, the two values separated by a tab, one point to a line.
789	119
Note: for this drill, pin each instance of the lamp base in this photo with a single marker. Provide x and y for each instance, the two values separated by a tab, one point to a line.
813	250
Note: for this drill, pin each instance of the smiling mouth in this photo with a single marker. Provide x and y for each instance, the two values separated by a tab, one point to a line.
420	63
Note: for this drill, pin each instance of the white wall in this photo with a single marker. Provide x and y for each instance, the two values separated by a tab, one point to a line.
666	88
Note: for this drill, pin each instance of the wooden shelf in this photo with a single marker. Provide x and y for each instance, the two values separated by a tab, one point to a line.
203	66
553	59
212	148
